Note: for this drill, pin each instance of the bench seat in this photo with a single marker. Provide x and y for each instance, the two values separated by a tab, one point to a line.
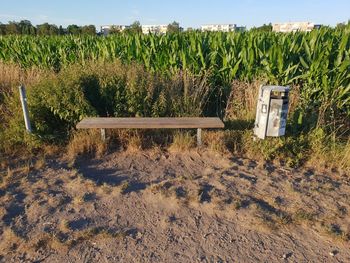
151	123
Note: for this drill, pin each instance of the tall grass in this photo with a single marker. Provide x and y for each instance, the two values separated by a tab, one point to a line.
59	100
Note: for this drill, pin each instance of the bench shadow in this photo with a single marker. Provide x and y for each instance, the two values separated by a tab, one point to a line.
109	176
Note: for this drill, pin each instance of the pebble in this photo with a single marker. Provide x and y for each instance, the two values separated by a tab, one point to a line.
286	255
139	235
333	253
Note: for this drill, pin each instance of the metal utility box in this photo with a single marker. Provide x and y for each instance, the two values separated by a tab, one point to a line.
271	111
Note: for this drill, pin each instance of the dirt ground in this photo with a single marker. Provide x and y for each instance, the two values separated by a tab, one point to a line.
173	207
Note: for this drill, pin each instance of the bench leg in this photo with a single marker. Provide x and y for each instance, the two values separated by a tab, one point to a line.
199	137
103	134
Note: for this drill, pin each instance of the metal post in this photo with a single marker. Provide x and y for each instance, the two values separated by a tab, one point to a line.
22	93
199	137
103	134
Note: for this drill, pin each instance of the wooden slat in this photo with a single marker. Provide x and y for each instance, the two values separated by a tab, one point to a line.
150	123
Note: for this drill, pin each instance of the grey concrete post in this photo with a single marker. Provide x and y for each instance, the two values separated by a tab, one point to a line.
199	137
103	134
22	93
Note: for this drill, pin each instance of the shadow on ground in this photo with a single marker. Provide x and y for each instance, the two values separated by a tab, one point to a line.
110	176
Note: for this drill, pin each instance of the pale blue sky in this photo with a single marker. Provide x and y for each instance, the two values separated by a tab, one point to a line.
189	13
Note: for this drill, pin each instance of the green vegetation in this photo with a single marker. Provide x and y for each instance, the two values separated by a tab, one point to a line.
183	74
319	60
25	27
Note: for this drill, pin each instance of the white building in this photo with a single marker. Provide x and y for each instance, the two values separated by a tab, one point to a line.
293	27
154	29
219	27
106	29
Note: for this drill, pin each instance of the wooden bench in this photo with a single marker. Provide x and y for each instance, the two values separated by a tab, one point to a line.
151	123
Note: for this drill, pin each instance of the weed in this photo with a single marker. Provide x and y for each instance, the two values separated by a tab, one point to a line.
183	141
215	141
64	225
78	200
134	143
106	188
303	215
335	230
9	173
40	163
124	187
86	143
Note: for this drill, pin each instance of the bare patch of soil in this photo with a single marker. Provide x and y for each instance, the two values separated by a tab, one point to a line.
166	207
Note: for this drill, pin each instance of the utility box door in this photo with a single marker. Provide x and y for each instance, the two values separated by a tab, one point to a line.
276	125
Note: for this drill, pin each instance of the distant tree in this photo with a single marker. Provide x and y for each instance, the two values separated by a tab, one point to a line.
263	28
62	31
12	28
88	30
114	30
26	28
2	29
73	30
341	26
174	27
47	29
134	28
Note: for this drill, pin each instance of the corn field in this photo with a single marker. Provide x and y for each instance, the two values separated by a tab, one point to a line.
319	61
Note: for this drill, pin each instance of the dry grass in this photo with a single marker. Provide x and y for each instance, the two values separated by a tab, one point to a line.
134	143
303	216
183	141
40	163
215	141
10	240
64	225
336	231
242	100
9	172
334	157
124	187
51	150
86	143
106	188
13	75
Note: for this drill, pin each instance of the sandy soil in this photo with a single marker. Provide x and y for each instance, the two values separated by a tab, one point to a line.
172	207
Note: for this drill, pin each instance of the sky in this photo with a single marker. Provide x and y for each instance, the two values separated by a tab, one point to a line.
189	13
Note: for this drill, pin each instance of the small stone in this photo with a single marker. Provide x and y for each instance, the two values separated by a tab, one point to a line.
333	253
286	255
139	235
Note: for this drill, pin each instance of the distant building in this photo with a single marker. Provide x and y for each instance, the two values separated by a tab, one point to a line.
106	29
154	29
294	27
219	27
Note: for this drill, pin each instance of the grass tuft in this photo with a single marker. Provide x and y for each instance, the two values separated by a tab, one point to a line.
183	141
